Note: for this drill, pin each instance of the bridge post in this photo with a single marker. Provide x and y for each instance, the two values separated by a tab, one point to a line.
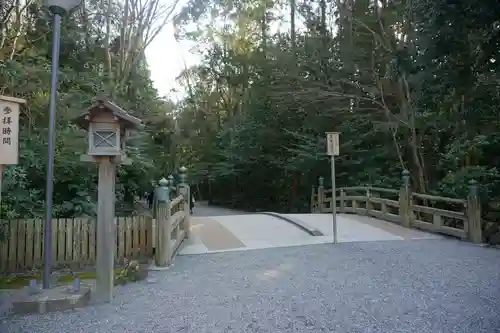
313	198
171	184
342	201
369	206
184	190
405	210
321	195
473	227
163	226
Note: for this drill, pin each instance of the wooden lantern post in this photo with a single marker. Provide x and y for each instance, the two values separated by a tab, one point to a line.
107	126
9	134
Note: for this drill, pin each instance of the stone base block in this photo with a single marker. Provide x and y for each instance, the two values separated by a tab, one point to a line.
58	298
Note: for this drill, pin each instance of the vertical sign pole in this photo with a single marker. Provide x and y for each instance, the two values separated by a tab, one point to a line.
332	150
334	201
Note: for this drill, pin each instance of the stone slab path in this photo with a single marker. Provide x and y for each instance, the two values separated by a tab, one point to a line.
216	229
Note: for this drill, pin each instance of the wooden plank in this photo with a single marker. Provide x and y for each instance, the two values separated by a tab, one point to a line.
4	250
441	212
143	235
437	198
128	237
383	190
115	239
153	233
30	229
149	236
120	235
61	241
452	232
361	198
55	241
12	246
354	188
37	243
386	216
69	240
77	242
92	240
135	235
424	225
383	201
84	251
177	244
176	201
21	244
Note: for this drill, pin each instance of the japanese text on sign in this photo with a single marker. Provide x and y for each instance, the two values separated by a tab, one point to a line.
6	126
9	130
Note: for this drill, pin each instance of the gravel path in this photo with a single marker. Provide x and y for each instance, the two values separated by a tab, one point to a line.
399	286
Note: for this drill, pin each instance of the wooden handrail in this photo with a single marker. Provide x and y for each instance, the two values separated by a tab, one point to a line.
176	201
407	209
363	188
174	218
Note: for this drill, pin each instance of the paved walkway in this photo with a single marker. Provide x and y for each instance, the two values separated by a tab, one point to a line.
417	286
216	229
203	209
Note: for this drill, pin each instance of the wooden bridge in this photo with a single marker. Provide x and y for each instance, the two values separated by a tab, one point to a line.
460	218
364	214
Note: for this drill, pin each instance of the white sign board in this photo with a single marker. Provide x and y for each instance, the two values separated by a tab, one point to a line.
332	143
9	130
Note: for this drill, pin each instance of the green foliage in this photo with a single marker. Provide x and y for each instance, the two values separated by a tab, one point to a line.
92	64
410	85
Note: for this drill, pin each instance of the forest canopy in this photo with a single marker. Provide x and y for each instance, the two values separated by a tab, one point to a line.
409	85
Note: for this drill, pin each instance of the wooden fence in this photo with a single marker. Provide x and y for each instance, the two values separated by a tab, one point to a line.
459	218
73	242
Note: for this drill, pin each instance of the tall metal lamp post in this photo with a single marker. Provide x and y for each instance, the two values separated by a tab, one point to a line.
58	8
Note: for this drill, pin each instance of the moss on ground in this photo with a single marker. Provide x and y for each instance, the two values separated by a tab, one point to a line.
20	281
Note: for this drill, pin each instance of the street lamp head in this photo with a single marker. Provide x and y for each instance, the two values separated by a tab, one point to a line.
61	6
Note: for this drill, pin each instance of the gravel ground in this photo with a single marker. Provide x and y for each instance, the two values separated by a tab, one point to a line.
399	286
5	302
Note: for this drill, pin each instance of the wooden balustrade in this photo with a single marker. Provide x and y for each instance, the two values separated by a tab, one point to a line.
172	225
177	224
459	218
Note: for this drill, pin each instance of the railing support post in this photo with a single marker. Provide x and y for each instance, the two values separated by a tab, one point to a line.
342	201
321	195
473	228
163	225
369	206
184	190
172	187
405	211
313	198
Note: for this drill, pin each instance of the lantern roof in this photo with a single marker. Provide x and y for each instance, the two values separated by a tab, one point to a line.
127	121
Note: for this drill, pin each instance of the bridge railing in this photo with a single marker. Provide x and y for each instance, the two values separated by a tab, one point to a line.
459	218
172	223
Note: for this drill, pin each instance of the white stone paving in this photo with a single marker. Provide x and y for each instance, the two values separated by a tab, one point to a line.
354	228
258	231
